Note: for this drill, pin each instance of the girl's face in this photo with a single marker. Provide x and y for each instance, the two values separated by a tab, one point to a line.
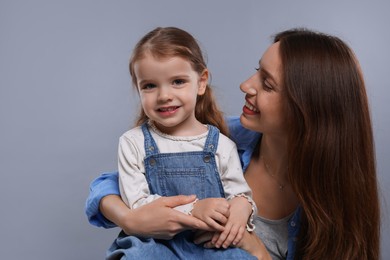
168	90
263	110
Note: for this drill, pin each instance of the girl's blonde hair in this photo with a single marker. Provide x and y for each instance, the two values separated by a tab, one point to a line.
174	42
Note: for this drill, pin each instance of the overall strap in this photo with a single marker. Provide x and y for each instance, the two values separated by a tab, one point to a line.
149	144
212	139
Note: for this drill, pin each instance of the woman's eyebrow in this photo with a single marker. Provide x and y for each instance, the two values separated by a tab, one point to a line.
269	76
266	72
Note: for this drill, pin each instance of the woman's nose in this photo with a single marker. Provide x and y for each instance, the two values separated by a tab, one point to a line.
248	87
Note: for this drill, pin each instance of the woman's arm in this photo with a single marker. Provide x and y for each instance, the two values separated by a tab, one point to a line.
143	221
253	245
105	208
106	184
250	243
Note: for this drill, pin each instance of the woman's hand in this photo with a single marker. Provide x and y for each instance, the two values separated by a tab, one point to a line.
250	243
157	219
253	245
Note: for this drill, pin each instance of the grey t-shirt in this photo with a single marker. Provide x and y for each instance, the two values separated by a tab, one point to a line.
274	234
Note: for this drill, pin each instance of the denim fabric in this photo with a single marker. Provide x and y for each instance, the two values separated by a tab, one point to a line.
170	174
180	247
246	140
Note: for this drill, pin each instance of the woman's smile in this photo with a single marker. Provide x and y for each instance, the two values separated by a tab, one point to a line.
250	109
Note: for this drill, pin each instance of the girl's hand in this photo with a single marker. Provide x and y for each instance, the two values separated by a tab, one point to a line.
213	211
143	221
240	211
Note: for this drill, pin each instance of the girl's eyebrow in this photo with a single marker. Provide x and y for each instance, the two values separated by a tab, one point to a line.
143	81
185	76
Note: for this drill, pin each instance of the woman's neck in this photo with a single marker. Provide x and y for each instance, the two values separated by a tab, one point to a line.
267	177
273	153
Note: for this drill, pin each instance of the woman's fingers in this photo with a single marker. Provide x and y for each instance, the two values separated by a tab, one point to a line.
214	224
202	237
179	200
191	222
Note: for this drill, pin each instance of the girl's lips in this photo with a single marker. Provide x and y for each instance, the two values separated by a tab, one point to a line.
167	111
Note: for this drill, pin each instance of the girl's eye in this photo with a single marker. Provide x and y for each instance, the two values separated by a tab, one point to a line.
178	82
148	86
257	69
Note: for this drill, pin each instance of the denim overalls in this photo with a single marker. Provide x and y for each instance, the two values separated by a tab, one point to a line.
170	174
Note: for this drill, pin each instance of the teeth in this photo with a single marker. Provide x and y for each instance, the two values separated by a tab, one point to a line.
250	107
165	109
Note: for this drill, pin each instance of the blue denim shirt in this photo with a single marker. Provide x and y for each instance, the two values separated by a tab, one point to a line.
246	140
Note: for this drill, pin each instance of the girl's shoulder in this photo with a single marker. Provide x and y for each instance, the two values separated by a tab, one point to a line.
133	137
135	132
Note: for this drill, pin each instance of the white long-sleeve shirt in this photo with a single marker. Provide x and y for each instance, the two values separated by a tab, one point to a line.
133	185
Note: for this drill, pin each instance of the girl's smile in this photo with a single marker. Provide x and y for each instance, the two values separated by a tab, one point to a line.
168	89
168	111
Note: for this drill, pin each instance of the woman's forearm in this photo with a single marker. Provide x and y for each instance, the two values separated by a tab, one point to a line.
253	245
157	219
115	210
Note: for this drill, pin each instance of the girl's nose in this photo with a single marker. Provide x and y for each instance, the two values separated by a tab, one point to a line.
248	87
164	94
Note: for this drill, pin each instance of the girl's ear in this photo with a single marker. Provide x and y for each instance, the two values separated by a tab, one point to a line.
203	81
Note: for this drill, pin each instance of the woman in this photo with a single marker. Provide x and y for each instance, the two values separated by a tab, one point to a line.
312	168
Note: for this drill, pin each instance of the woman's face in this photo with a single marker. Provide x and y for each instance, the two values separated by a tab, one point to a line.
263	110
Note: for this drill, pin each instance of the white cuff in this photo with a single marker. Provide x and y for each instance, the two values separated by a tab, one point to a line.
187	208
250	226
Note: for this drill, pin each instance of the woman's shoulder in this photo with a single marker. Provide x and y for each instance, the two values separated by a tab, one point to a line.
240	135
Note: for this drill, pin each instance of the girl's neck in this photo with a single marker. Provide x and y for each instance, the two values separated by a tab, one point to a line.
196	129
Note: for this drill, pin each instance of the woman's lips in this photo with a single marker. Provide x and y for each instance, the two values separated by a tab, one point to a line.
250	109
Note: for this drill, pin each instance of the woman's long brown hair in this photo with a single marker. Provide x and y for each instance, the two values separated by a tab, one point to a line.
331	149
174	42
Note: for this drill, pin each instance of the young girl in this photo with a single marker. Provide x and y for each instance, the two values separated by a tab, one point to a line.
176	148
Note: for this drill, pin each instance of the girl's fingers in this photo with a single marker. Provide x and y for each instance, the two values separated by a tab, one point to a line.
229	239
239	236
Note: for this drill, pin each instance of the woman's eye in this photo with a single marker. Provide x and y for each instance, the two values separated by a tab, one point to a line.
257	69
267	86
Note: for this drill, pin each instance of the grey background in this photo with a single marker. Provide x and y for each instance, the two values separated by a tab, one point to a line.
65	97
